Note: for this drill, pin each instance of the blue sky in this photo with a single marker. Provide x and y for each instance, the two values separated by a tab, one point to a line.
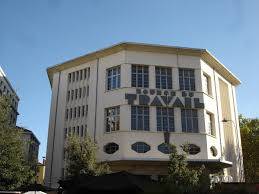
36	34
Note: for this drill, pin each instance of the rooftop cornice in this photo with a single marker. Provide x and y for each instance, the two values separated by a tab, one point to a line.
132	46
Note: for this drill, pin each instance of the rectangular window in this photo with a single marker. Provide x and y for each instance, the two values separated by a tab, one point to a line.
72	94
88	70
71	113
77	130
85	74
69	77
165	119
76	91
206	84
75	112
86	111
65	133
163	77
82	131
77	75
113	77
140	118
209	124
78	111
112	116
80	92
68	96
87	91
187	79
83	111
189	120
66	114
73	76
139	76
81	74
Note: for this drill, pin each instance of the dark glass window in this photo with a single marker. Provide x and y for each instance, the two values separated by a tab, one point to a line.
139	76
112	119
165	119
111	148
140	118
69	77
68	95
82	131
81	74
163	77
140	147
189	120
191	149
164	148
187	79
72	94
113	78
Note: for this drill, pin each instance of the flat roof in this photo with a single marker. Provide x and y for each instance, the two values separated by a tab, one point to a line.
132	46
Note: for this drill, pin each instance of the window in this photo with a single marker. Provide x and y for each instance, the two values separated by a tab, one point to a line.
73	76
83	111
163	78
191	149
165	119
69	77
85	75
164	148
88	70
82	131
209	123
140	118
77	75
68	95
72	94
113	78
84	91
75	112
66	114
140	147
77	130
65	133
139	76
187	79
189	120
81	74
111	148
76	91
87	93
80	92
71	113
78	111
206	84
112	119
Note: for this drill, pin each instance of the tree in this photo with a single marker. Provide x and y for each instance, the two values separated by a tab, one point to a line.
250	144
13	170
181	178
81	157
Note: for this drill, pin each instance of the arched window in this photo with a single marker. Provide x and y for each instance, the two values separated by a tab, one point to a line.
191	149
164	148
111	148
140	147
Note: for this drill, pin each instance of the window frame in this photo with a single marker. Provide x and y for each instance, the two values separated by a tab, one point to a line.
110	78
192	118
161	117
160	77
116	116
144	115
140	144
191	79
136	76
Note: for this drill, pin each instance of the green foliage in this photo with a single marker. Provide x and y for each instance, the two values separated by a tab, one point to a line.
250	144
13	170
181	178
81	157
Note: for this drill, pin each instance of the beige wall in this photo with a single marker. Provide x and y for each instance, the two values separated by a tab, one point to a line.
125	137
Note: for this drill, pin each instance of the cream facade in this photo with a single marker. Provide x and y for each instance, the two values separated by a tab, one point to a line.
132	98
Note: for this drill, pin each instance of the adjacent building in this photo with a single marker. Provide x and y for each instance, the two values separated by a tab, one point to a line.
133	99
31	145
7	89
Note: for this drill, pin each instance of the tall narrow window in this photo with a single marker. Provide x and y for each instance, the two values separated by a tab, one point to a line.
84	91
68	95
139	76
113	78
76	91
66	114
165	119
187	79
112	119
73	76
80	92
209	123
88	76
87	92
75	112
71	113
77	75
82	131
189	120
78	111
77	130
140	118
163	77
72	94
83	111
206	84
81	74
85	74
69	77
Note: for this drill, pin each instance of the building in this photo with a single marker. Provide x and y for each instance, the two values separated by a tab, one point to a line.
131	98
40	172
31	145
7	89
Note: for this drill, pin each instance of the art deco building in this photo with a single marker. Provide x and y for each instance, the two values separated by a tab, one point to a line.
134	98
7	89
